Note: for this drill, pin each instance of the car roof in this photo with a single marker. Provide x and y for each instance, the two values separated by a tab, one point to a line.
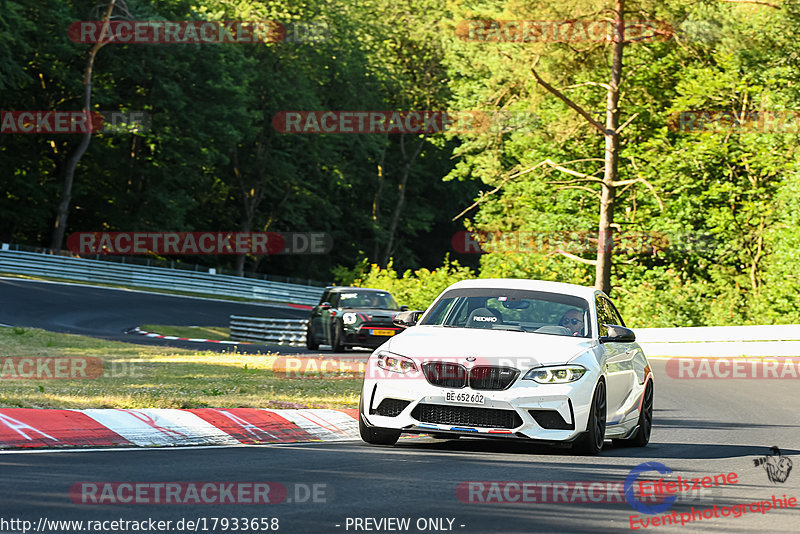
584	292
349	288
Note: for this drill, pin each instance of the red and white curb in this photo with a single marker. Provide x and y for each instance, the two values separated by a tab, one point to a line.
139	331
32	428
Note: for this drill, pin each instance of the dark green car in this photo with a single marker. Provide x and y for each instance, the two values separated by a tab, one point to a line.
352	316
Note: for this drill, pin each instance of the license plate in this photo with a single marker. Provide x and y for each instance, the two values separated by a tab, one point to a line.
463	398
382	332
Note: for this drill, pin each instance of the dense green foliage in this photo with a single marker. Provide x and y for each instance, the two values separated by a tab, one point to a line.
212	159
415	289
727	202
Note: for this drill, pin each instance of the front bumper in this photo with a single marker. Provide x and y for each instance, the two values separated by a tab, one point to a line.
524	410
370	335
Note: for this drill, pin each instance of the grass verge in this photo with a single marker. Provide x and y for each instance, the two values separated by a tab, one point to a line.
138	376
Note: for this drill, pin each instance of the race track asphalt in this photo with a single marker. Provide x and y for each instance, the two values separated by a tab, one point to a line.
108	312
702	428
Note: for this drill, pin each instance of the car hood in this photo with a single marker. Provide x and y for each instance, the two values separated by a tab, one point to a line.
373	313
490	347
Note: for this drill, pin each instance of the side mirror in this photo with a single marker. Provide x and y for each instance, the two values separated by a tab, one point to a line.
407	318
618	334
325	306
403	308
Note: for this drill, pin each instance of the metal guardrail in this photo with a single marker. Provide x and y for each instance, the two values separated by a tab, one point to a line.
721	341
140	276
709	341
268	330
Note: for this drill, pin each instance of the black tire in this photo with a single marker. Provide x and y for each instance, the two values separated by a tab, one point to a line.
591	442
642	436
374	435
338	338
311	341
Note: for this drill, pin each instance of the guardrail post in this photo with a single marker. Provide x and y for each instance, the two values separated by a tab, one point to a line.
268	330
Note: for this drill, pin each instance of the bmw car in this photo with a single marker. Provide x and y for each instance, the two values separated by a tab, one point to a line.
511	359
352	316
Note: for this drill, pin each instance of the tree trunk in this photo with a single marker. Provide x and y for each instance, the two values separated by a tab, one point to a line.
376	205
60	225
401	197
241	257
605	237
250	202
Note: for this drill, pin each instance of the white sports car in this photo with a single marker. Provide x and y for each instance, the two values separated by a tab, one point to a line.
520	359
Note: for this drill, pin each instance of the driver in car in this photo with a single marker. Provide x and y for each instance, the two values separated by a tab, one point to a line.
573	321
373	301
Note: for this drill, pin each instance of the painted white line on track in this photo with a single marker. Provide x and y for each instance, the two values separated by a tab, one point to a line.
177	448
123	449
156	335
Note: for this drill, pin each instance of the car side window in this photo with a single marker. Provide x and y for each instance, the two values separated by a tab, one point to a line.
334	299
467	306
440	312
462	313
325	296
604	316
614	313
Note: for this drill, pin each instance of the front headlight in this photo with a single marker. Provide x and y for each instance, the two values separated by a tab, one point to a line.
396	363
560	374
349	318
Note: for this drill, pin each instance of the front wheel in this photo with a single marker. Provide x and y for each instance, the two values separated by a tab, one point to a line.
338	338
642	436
311	341
376	436
591	442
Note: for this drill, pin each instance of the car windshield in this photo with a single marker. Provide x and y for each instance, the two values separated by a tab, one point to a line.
515	310
368	299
